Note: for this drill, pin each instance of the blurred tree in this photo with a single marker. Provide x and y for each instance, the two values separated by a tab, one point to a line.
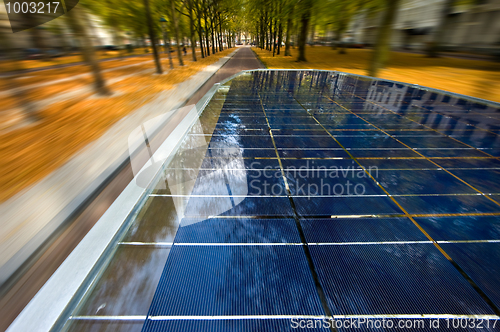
166	41
382	46
192	28
176	31
197	7
20	94
152	37
343	12
305	16
289	25
76	20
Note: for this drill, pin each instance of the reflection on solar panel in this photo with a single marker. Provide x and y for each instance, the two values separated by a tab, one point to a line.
309	199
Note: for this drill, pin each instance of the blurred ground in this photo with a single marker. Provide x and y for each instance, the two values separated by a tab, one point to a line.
7	66
474	78
71	115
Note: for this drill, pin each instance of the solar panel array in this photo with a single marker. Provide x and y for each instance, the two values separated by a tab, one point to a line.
311	199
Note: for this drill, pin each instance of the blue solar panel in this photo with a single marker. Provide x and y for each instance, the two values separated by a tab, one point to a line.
370	142
448	204
340	230
249	206
236	280
422	182
480	262
431	142
462	228
396	279
331	182
283	142
290	120
317	165
485	140
381	164
358	205
233	325
487	181
446	152
240	182
316	153
238	230
383	153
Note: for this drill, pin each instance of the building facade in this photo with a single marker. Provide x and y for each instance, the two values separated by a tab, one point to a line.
474	27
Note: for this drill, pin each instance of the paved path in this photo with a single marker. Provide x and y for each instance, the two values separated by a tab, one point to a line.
83	217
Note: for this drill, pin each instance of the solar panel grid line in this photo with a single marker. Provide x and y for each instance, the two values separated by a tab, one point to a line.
398	242
237	317
416	215
424	158
407	316
330	196
357	149
170	244
226	317
313	169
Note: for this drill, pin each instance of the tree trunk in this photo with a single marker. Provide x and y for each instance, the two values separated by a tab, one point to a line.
273	34
221	46
436	45
216	38
176	29
79	28
288	33
306	15
36	34
214	48
200	36
280	32
263	35
313	30
152	37
166	42
381	52
20	94
337	39
191	29
200	29
266	29
342	48
207	41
